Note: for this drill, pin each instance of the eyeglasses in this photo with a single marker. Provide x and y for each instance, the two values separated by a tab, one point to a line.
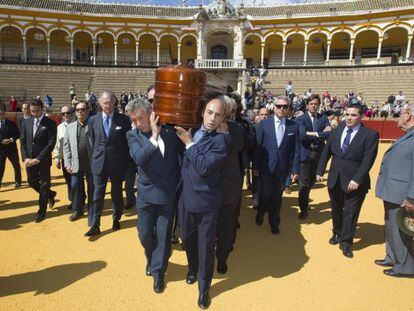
80	109
282	106
66	113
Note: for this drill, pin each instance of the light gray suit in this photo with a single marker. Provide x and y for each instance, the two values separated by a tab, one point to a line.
70	147
394	185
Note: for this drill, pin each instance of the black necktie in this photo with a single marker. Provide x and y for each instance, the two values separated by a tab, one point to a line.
313	122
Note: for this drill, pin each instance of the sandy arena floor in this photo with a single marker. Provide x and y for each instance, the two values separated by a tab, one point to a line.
52	266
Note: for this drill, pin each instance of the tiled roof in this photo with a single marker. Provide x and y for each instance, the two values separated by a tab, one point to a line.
260	12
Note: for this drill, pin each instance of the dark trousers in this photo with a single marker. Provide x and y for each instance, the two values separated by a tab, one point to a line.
99	188
154	232
271	190
345	208
130	178
198	233
38	177
78	190
307	179
226	228
68	178
13	157
399	246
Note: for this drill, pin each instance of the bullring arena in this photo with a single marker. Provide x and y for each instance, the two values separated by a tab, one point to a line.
365	46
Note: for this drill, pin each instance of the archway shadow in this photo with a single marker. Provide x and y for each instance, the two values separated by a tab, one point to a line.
369	234
48	280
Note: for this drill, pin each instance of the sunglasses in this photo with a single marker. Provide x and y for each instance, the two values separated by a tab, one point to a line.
66	113
80	109
282	106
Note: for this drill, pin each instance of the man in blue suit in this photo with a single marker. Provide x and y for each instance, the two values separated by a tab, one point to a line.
314	129
277	152
110	157
200	201
155	151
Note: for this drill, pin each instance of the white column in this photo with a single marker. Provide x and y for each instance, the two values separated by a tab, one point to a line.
116	52
136	52
200	42
24	49
179	53
328	51
71	50
1	52
284	52
158	53
351	50
305	52
380	39
94	51
262	53
408	52
48	49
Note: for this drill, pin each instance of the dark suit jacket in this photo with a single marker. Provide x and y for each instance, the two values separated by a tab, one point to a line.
113	151
355	164
270	158
42	144
232	182
158	176
201	172
10	130
305	125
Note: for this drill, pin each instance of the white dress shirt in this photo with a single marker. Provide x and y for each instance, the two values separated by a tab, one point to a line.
354	132
158	144
280	125
38	124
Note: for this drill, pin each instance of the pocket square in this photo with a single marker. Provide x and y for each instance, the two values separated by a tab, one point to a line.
118	128
290	134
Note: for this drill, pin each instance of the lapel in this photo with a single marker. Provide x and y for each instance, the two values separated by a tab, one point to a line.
42	123
113	126
400	140
287	125
355	140
308	120
272	130
337	140
165	137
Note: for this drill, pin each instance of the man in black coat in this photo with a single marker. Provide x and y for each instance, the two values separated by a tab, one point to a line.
9	133
110	158
38	138
353	148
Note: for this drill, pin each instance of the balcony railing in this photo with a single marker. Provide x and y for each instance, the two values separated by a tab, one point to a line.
220	63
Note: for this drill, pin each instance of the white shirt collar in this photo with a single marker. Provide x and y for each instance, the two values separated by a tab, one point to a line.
40	118
111	115
282	121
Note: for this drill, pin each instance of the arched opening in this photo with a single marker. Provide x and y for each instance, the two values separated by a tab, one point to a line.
105	49
59	47
295	47
188	50
126	50
273	51
168	50
317	49
366	47
36	46
394	45
251	51
220	44
147	50
11	45
340	48
82	48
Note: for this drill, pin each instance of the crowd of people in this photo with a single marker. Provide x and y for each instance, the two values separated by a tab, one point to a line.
190	181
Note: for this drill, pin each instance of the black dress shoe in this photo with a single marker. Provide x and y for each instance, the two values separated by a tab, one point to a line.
303	215
392	273
159	286
382	263
93	231
275	230
52	199
222	267
75	216
346	251
148	269
204	301
129	206
116	225
259	219
17	185
334	240
191	278
39	218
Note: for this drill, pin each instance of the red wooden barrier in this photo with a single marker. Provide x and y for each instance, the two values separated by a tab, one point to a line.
386	129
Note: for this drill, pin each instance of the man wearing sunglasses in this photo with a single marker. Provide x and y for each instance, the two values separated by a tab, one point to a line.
67	118
276	155
353	148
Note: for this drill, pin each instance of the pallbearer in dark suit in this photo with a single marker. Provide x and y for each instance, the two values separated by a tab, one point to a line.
314	129
231	191
9	134
200	201
110	156
353	148
155	151
38	138
277	153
